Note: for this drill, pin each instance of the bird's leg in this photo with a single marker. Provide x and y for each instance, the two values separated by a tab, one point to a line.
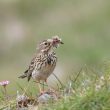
43	86
39	87
40	90
45	81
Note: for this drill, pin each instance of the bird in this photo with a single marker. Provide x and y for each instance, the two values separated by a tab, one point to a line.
44	62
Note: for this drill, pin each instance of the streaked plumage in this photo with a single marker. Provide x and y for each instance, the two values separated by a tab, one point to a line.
44	62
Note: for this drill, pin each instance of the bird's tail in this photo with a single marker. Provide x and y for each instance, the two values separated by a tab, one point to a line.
24	74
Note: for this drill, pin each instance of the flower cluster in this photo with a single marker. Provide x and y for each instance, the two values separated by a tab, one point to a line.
4	83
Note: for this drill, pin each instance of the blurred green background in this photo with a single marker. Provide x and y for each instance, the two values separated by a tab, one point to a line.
83	25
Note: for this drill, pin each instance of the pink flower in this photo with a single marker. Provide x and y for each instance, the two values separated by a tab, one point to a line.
4	83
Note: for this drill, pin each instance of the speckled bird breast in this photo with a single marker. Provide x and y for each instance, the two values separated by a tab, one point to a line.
45	67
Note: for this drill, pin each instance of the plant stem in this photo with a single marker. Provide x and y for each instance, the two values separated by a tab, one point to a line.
5	92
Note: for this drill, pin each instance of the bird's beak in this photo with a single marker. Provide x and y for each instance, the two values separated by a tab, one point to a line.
61	42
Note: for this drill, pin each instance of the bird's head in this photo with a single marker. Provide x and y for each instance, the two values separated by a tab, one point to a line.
47	45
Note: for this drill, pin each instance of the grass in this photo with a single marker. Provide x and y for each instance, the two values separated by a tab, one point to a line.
84	28
86	90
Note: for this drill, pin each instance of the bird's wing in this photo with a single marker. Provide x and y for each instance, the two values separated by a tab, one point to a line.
28	72
31	68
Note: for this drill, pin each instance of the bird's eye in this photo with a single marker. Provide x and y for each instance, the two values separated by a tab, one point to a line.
45	43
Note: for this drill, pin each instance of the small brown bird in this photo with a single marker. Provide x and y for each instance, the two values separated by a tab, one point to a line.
44	62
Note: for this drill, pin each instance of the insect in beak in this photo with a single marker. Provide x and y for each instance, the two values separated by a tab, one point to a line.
61	42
